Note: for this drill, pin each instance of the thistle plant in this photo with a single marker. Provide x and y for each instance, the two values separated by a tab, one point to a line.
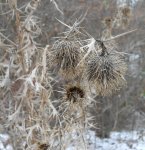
33	114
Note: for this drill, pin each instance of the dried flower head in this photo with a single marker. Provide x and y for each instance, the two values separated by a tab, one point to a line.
66	55
126	15
126	11
107	32
74	94
123	16
106	71
43	146
108	22
74	104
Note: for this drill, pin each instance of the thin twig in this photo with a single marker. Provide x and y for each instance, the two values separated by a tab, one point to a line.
8	39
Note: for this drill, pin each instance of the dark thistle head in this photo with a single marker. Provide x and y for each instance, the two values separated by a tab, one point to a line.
74	94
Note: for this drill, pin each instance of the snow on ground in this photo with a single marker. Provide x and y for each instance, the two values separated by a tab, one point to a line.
134	140
4	142
121	141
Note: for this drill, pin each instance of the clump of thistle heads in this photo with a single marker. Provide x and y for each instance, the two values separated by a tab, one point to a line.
101	65
120	20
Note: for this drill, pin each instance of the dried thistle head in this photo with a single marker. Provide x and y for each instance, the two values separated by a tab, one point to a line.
74	94
126	15
126	11
108	22
74	105
66	55
76	98
106	71
123	16
107	32
43	146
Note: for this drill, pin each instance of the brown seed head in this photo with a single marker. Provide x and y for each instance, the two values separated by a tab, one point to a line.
66	55
74	93
126	15
43	147
126	11
108	22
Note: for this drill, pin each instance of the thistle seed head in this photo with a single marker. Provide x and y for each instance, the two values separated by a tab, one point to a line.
106	71
126	11
107	32
108	22
123	16
126	15
43	147
66	55
74	94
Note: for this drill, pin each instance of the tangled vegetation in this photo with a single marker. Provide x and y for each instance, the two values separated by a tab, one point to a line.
37	113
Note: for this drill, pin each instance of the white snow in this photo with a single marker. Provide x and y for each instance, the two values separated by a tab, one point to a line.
134	140
123	2
4	144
